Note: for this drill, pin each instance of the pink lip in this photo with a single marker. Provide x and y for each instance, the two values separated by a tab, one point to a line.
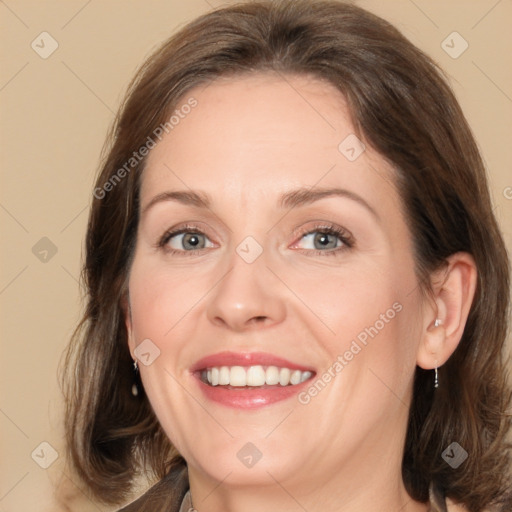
247	398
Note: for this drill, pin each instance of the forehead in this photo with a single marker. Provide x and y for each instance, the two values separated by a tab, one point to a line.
263	132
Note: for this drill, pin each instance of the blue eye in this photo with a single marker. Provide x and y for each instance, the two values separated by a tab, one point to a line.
321	240
185	240
188	241
325	240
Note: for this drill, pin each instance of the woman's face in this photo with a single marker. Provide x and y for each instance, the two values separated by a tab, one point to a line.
271	250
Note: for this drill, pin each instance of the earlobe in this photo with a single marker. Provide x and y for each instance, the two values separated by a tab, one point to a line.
433	346
453	290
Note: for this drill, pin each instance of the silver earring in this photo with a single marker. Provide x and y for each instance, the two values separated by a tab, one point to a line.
135	389
437	323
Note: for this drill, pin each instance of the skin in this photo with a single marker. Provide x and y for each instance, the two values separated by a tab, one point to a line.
248	141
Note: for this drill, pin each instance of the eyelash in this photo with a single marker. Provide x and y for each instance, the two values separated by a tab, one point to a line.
187	228
327	229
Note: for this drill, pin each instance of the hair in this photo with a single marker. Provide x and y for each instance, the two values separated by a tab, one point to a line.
402	107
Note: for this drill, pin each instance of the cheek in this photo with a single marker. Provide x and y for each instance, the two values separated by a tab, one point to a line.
367	322
161	299
357	300
162	304
370	361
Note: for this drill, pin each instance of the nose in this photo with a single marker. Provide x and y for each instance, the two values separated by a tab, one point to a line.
248	297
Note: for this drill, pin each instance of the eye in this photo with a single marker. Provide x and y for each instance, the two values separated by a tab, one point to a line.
185	239
325	240
188	241
320	240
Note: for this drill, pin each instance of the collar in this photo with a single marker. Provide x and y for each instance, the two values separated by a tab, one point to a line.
186	504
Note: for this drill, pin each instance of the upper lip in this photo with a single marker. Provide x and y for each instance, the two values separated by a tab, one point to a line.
229	358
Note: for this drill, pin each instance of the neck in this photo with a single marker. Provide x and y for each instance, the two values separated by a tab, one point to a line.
377	488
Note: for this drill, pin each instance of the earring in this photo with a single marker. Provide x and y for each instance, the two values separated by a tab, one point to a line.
135	389
437	323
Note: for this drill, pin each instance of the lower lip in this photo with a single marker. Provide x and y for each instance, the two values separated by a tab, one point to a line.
250	398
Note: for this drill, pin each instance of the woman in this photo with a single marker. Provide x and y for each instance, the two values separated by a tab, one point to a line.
297	290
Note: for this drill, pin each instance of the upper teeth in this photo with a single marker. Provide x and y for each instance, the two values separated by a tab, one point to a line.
254	376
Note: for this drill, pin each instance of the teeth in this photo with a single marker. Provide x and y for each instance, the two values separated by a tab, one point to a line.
295	377
256	376
240	376
272	375
237	376
305	376
224	376
284	376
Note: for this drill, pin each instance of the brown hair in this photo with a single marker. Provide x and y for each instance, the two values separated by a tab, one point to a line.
403	108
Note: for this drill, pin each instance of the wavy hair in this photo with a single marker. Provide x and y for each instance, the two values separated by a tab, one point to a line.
402	106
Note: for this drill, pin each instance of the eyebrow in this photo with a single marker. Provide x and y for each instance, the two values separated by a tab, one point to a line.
289	200
188	198
303	196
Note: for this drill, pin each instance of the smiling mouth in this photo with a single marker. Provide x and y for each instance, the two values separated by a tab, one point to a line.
258	376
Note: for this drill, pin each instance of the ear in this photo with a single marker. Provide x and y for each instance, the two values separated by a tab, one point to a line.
453	289
127	313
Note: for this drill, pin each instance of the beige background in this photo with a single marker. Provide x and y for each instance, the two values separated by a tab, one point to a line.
55	114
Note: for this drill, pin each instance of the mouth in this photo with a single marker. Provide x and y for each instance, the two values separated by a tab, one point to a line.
249	380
